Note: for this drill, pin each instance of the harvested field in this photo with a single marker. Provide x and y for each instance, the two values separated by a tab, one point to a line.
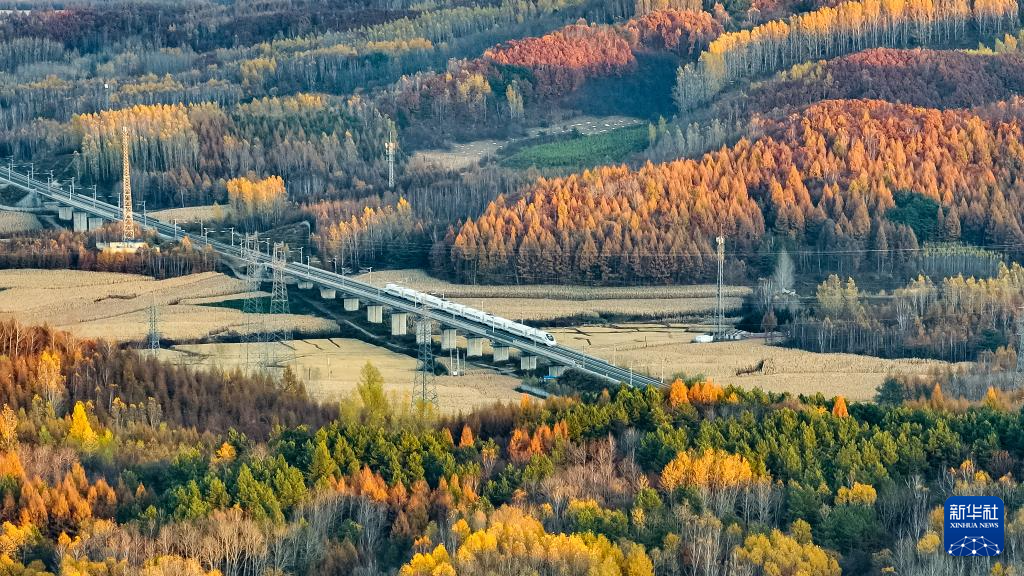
658	349
548	309
192	213
550	302
17	222
330	368
116	306
459	157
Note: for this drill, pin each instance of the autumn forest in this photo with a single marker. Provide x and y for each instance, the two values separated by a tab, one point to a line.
863	161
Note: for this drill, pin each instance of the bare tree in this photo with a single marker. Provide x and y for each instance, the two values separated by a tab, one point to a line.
371	516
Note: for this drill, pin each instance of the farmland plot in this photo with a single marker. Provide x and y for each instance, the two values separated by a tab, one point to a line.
207	213
665	349
330	368
116	306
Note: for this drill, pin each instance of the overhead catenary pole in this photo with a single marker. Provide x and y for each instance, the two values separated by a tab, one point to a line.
719	304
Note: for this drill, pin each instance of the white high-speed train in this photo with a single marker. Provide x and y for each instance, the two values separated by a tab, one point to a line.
473	314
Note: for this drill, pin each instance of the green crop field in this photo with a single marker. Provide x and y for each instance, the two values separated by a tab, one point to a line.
581	151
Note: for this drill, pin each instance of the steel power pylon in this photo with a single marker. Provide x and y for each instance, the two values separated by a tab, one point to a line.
390	146
278	305
127	219
424	384
279	297
154	334
252	308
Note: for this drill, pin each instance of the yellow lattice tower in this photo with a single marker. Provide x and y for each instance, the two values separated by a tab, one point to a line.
127	221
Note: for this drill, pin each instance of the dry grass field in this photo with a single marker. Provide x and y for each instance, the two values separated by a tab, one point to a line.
466	154
192	213
18	222
116	306
549	302
660	349
330	368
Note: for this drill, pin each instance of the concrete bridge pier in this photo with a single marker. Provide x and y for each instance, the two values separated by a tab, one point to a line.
65	212
325	293
350	304
399	323
375	314
500	353
304	285
449	339
79	221
95	223
527	363
475	347
556	371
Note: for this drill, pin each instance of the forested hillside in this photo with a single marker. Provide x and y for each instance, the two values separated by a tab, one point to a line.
823	179
116	464
829	31
862	160
929	78
517	81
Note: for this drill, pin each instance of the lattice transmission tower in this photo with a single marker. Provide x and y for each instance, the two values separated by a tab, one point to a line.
275	353
252	307
154	333
424	383
127	219
390	147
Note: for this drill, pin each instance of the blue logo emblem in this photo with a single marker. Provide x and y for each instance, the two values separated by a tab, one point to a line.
974	526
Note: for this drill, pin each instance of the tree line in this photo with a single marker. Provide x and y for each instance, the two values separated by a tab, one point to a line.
833	31
954	318
77	251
